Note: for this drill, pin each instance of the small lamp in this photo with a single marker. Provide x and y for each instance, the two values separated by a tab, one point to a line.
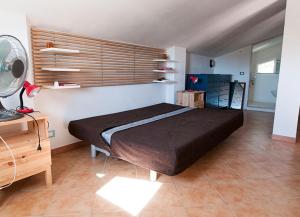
31	91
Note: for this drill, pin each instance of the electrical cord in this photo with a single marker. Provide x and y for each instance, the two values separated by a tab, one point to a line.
39	148
14	162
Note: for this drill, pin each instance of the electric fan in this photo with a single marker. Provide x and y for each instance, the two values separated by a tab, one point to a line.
13	71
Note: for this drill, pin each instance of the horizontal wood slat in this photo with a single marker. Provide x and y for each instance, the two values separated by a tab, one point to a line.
101	62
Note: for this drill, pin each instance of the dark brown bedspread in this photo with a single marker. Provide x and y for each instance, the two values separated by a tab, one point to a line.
167	146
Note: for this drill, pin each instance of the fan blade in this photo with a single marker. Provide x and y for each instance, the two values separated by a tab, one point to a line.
6	82
5	48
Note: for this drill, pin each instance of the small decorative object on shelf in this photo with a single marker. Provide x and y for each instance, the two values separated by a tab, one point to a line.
67	84
165	56
193	99
163	80
164	70
60	85
49	44
167	68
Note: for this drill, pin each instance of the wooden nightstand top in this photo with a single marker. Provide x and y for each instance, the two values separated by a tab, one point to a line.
192	91
36	115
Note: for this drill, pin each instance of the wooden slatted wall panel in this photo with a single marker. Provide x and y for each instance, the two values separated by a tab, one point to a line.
101	62
118	63
144	64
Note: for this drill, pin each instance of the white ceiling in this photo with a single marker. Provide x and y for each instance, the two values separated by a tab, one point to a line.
207	27
267	44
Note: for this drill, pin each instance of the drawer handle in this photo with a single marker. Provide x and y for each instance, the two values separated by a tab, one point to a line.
10	164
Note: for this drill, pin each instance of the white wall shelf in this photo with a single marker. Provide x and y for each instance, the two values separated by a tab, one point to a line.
164	82
164	60
61	69
59	51
62	87
164	71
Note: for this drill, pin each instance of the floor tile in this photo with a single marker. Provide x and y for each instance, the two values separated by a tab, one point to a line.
211	211
164	212
200	196
71	201
166	196
27	203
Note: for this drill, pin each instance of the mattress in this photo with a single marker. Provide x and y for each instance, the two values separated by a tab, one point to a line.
167	146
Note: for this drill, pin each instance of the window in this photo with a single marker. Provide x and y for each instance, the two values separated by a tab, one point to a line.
266	67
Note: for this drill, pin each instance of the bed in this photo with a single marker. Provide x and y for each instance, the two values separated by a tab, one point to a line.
168	145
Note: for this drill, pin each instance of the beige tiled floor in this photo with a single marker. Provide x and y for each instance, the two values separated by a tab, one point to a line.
247	175
262	105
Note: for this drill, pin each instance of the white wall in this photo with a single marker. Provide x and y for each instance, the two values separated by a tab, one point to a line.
63	106
197	64
264	83
16	25
179	55
288	97
234	63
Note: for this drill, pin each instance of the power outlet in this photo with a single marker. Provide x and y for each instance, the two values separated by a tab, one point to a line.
51	134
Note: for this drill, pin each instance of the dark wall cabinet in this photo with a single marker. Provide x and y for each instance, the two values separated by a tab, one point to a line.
217	88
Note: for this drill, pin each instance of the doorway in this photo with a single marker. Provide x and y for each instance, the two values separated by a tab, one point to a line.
264	75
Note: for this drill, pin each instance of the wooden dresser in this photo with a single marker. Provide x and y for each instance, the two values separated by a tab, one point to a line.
22	137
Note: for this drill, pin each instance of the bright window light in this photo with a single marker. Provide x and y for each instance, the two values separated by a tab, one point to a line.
266	67
132	195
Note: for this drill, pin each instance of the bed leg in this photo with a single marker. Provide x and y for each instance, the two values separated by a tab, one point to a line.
153	176
93	151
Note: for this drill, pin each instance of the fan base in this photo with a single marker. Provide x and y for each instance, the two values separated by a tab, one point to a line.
8	115
25	110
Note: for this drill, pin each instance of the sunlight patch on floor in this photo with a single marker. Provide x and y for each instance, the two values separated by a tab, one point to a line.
130	194
100	175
